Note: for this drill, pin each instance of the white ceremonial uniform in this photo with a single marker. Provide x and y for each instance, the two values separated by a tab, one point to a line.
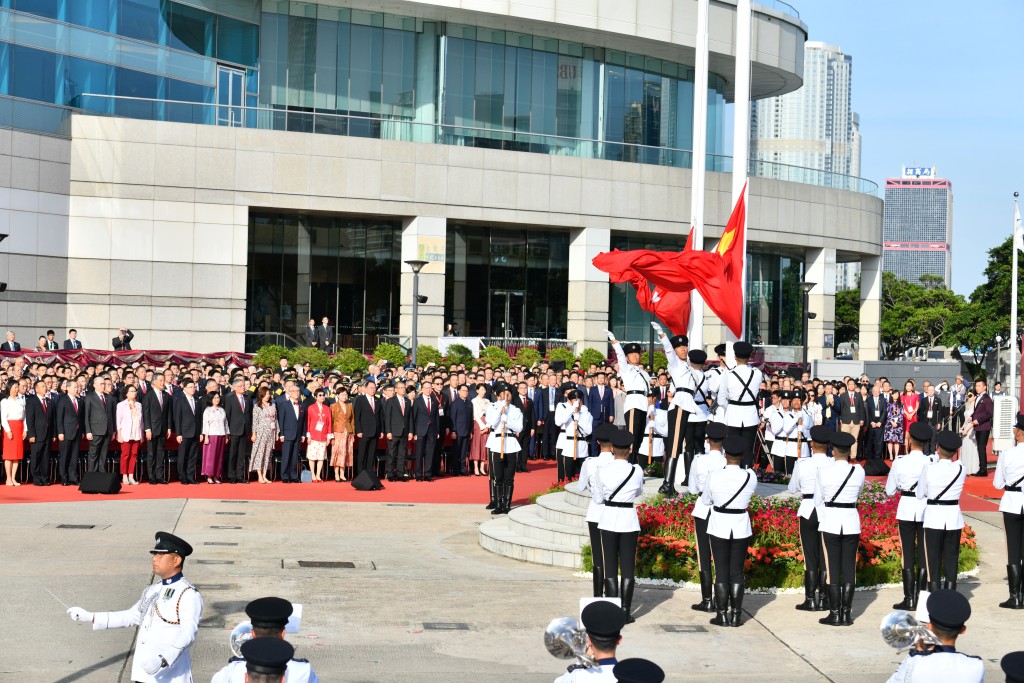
940	667
511	422
905	476
594	674
797	425
725	485
1010	474
777	429
944	478
739	389
683	383
700	397
657	423
805	475
772	412
570	422
635	382
299	671
714	391
168	616
814	410
703	465
608	478
588	482
830	482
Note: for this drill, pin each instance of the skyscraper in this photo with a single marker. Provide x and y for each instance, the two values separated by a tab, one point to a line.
917	225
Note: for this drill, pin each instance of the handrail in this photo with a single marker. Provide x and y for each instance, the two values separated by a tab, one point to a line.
280	338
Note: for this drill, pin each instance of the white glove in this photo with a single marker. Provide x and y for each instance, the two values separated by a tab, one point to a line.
80	615
151	664
657	328
611	335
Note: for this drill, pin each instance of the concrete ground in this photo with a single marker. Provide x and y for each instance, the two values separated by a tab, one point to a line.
414	565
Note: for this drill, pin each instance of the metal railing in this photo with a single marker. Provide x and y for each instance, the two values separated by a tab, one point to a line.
512	345
404	130
779	6
404	343
255	340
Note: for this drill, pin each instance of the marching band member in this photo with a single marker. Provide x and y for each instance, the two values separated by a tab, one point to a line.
1010	477
576	423
588	478
681	406
805	474
637	385
739	389
905	476
505	421
269	617
603	623
941	484
948	612
704	464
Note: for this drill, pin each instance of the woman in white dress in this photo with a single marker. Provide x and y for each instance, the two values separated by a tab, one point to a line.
619	397
969	449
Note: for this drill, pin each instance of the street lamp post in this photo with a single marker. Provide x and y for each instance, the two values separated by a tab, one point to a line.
999	360
806	288
416	266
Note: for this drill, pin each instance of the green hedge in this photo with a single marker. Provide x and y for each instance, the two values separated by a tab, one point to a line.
392	353
660	360
591	356
528	356
459	354
561	353
317	359
495	355
348	361
427	354
269	356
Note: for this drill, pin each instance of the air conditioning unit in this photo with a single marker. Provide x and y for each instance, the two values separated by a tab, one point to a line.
1004	409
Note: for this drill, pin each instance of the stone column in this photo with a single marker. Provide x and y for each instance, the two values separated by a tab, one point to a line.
870	340
820	268
588	289
423	238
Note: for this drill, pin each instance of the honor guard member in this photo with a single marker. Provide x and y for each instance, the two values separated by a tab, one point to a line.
715	376
777	429
681	407
505	421
800	435
836	491
575	422
948	612
1010	478
637	385
805	475
616	486
771	410
905	477
704	464
655	430
638	670
266	660
167	615
698	420
588	478
269	617
941	484
1012	665
603	622
727	492
739	388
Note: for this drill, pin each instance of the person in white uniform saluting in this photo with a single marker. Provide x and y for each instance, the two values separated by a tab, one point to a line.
948	612
167	615
1010	478
588	481
637	385
905	477
703	465
941	485
805	475
603	622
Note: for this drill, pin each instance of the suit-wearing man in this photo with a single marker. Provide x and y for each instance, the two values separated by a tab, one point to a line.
930	413
982	421
98	426
601	404
365	412
312	334
325	334
395	417
39	414
852	414
522	400
51	342
68	418
187	428
877	409
238	410
291	422
157	421
460	417
426	427
123	340
10	344
72	343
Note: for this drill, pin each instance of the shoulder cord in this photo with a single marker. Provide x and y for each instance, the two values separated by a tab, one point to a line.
177	609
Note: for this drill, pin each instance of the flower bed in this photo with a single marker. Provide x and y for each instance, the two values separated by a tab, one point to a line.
666	548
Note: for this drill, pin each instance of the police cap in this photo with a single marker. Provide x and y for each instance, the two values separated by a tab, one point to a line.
720	350
679	340
605	431
267	655
636	670
716	431
948	609
842	440
1020	421
622	439
566	386
1013	666
698	356
921	432
949	441
786	395
734	446
603	619
742	349
575	394
632	347
499	387
169	543
269	612
821	434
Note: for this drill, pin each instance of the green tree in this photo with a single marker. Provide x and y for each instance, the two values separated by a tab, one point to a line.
847	315
392	353
591	356
917	315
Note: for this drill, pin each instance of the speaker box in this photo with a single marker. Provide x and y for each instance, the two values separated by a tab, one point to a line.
100	482
875	467
367	481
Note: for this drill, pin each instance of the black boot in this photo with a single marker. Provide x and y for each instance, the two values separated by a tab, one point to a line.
1013	578
721	605
846	598
598	582
934	586
948	585
736	600
908	592
833	608
706	604
611	588
823	592
626	591
494	495
506	498
810	586
498	499
668	487
922	584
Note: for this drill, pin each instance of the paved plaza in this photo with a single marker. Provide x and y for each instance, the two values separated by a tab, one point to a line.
413	566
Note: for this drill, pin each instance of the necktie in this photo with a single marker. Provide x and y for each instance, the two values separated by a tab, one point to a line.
74	402
103	400
160	398
191	404
241	401
371	404
401	404
427	399
43	401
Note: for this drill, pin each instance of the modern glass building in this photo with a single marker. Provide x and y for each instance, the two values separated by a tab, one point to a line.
918	225
210	172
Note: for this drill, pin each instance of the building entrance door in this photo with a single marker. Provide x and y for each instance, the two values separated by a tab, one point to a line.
508	313
229	96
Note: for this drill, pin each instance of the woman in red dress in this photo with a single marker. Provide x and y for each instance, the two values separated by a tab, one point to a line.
911	401
319	430
12	413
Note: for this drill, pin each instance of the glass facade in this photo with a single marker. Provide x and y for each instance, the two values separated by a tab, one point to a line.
504	282
303	266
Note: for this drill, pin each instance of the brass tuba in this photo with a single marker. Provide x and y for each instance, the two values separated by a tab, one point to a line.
565	639
241	634
901	630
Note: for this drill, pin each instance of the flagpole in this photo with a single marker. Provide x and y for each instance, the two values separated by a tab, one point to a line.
1013	298
699	163
741	138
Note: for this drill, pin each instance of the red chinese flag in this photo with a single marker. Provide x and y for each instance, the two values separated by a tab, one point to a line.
731	249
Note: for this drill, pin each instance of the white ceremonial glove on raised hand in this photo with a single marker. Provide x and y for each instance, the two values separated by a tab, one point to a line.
611	335
80	615
657	328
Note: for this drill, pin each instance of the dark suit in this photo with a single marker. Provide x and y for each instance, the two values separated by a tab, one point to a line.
549	434
72	344
123	344
395	421
39	416
602	409
156	419
426	426
8	346
325	335
312	336
367	421
832	422
98	422
292	429
877	409
188	428
68	418
660	394
52	345
983	413
460	417
239	416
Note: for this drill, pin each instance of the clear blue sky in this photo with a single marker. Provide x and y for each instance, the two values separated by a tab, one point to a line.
939	82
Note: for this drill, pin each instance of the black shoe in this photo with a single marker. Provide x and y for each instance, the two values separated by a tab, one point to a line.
810	587
908	592
833	608
627	586
846	600
706	603
721	605
1013	579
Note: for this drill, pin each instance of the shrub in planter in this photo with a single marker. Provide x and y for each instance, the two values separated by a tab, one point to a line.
528	356
392	353
459	354
590	357
660	360
269	356
560	353
317	359
348	361
427	354
495	355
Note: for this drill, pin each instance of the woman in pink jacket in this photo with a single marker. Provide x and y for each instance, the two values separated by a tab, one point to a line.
129	433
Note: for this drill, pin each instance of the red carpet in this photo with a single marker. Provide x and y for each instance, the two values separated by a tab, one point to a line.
471	490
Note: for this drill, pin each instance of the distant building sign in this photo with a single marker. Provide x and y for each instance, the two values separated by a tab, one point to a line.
431	250
919	172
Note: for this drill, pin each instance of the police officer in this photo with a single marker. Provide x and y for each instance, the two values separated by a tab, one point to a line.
575	422
269	617
266	660
905	476
655	430
798	425
948	612
588	477
1012	665
1010	478
505	421
638	670
681	407
941	485
637	385
167	615
698	420
704	464
769	416
715	375
739	387
777	429
727	492
835	498
805	475
603	622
